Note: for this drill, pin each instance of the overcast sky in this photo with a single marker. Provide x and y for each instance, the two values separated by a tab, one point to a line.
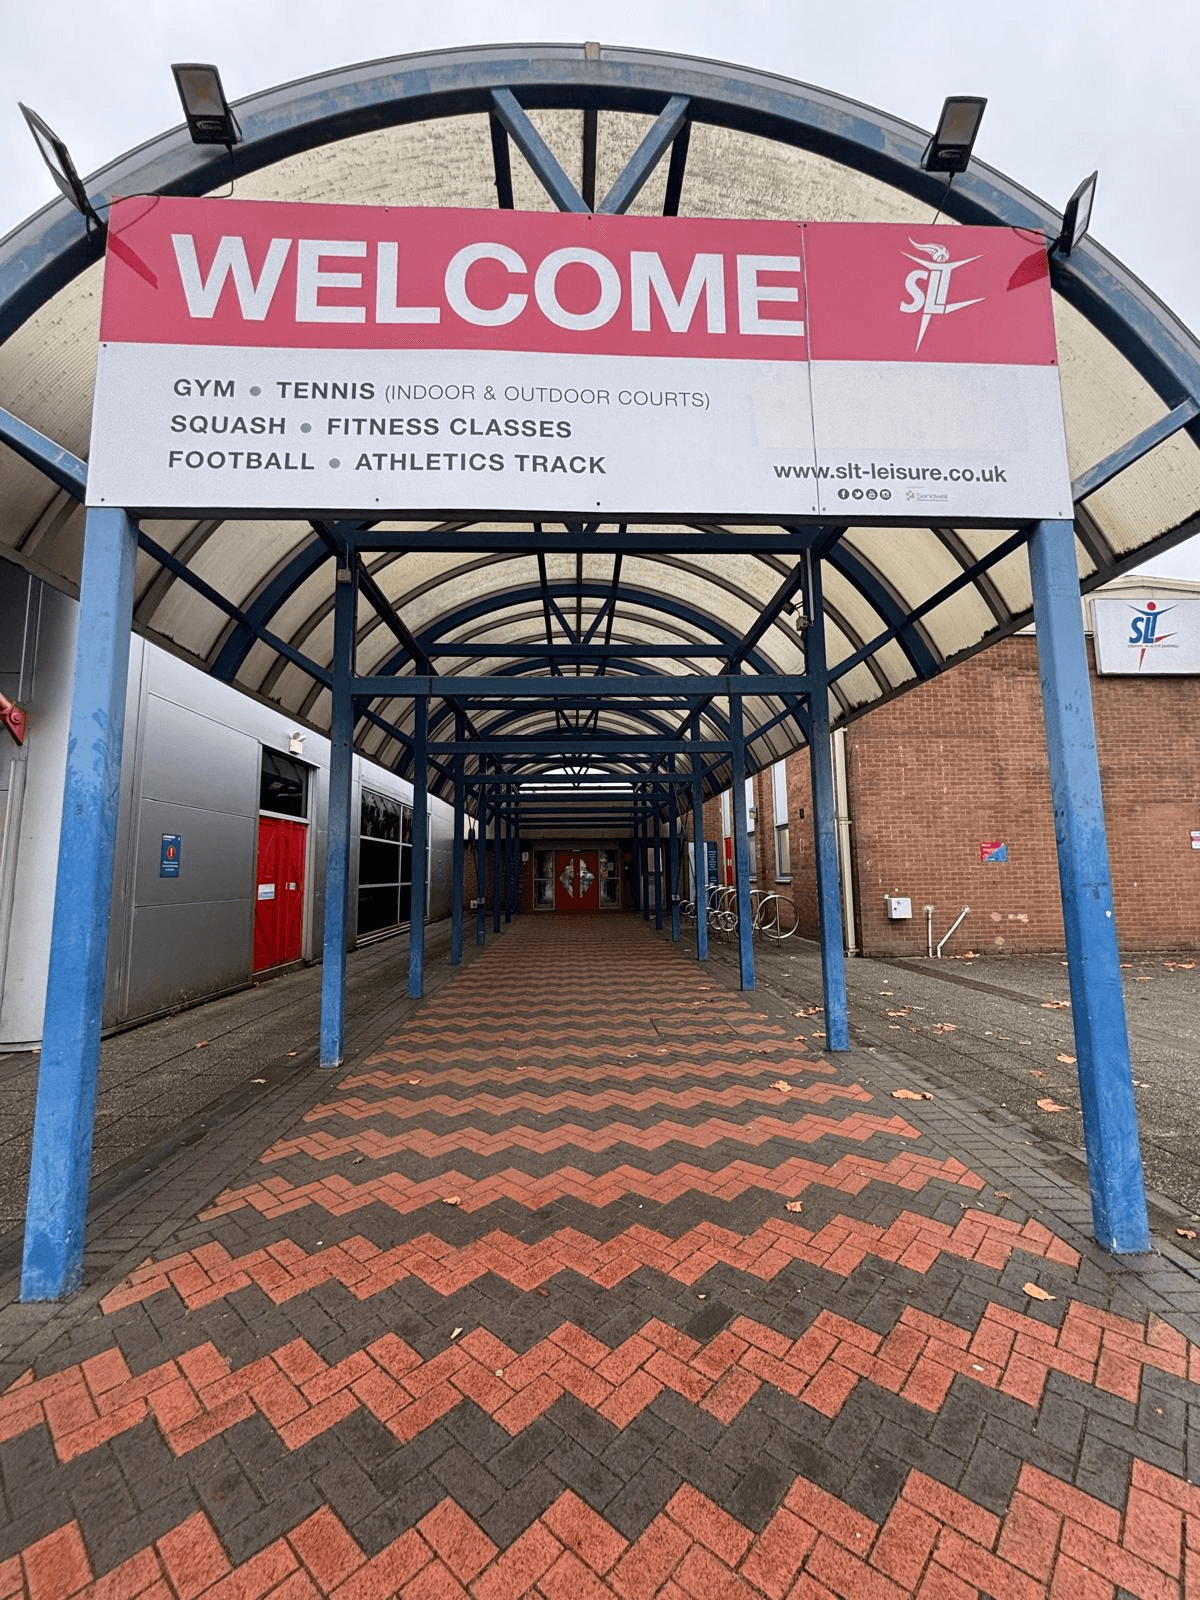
1070	85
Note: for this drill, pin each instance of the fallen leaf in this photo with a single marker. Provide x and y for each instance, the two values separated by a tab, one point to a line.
817	1034
801	1039
1054	1005
1036	1072
1035	1292
414	1080
452	1199
1065	1059
1003	1194
946	1027
1179	966
544	1292
782	1085
1143	980
456	1333
356	1160
798	1205
258	1080
808	1011
911	1094
1186	1233
1050	1105
903	1012
291	1053
202	1044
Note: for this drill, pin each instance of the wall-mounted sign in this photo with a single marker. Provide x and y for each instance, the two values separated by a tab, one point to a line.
269	356
1146	636
993	850
171	855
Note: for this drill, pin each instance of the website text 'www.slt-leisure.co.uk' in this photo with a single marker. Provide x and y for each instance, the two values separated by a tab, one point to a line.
871	480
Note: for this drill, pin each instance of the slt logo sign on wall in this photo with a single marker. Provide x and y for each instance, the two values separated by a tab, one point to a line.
269	357
1145	636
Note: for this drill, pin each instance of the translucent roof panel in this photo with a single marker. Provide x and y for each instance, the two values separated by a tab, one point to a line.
473	599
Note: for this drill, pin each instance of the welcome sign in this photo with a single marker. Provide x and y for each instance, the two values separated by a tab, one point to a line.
266	357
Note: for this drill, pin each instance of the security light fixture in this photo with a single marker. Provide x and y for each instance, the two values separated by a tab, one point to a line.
209	118
949	150
1076	217
62	169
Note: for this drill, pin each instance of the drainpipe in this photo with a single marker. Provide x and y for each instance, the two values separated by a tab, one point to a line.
951	929
841	811
929	931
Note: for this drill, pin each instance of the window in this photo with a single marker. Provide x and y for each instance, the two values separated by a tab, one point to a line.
283	786
610	882
384	864
779	807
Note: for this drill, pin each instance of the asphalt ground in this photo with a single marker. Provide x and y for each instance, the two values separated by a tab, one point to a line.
999	1028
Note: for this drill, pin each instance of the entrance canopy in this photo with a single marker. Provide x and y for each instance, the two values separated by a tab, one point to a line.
578	128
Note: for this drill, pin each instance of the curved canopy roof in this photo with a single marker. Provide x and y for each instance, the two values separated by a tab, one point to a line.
252	601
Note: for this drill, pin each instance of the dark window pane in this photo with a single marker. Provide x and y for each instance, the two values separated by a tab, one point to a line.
380	818
405	902
283	785
378	862
377	908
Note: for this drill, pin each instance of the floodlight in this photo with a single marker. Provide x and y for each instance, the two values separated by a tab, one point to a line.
1076	217
949	150
62	169
209	118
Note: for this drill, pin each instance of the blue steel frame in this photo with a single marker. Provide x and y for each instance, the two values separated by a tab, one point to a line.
56	1209
506	85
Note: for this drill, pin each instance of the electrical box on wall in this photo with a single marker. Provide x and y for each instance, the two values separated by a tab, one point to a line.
899	906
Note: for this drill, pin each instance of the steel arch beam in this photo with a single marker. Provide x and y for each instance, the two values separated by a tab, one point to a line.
54	246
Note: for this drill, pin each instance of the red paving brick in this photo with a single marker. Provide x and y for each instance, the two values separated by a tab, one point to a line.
414	1379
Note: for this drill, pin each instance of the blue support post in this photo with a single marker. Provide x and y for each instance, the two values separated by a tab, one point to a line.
56	1211
700	847
658	867
481	864
338	828
673	855
509	863
643	849
497	876
741	844
457	872
825	850
420	849
516	863
1097	1004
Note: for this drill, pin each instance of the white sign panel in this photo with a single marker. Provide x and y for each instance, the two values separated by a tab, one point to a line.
272	357
1146	636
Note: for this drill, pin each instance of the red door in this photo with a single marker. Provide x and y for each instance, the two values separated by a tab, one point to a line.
577	887
279	908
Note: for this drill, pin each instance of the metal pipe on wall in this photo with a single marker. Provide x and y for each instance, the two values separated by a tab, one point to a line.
841	809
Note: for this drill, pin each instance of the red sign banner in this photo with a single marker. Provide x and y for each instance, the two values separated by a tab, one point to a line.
267	356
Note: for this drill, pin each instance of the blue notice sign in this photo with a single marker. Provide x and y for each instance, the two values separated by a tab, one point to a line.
172	852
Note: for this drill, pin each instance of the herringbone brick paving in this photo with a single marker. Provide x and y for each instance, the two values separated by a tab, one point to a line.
462	1345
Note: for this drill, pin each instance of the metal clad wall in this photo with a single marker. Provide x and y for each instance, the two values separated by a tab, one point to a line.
48	667
191	767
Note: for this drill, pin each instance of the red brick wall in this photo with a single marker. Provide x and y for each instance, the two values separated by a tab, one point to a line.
961	761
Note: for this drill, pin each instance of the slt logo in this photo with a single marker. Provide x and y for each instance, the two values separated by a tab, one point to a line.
929	287
1143	628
